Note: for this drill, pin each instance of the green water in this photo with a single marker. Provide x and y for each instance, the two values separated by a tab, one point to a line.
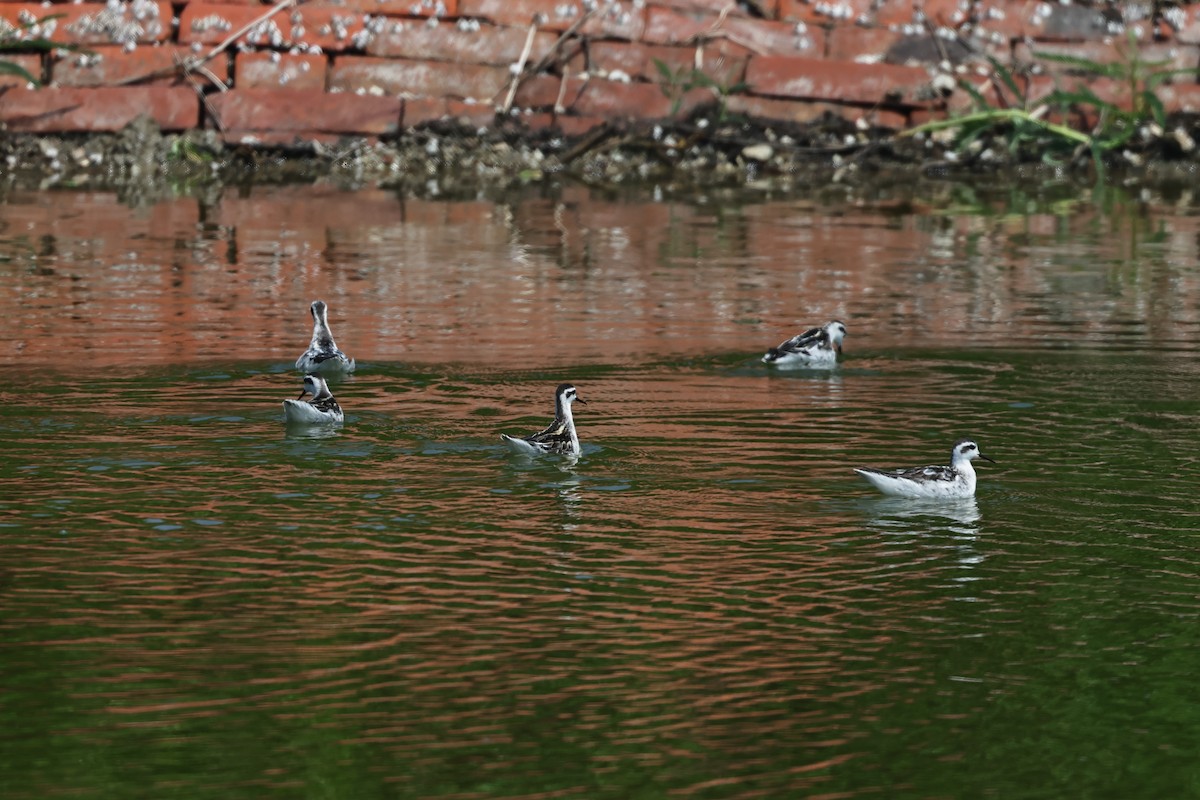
200	602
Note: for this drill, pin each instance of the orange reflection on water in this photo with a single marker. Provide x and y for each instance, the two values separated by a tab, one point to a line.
578	277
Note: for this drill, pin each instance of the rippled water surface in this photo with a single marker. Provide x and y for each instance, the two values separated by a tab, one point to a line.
198	601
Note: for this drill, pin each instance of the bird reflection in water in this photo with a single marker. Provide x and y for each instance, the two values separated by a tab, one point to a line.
928	523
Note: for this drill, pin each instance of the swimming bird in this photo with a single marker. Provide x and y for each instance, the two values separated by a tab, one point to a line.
816	347
323	354
935	482
322	409
560	436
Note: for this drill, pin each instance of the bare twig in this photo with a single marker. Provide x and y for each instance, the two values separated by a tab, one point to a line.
261	18
516	79
588	143
545	60
724	13
208	73
196	64
709	36
558	43
562	91
943	56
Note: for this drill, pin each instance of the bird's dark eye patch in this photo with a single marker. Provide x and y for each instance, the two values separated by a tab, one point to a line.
967	447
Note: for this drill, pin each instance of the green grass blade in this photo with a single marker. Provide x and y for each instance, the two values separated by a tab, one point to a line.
1155	106
996	117
1154	79
1006	77
9	68
976	97
664	70
1080	96
1085	64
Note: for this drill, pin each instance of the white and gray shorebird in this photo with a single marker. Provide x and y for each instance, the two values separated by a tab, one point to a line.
935	482
323	354
816	347
559	437
322	409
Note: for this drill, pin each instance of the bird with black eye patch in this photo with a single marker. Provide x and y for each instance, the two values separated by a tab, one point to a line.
559	436
816	348
952	482
322	409
323	354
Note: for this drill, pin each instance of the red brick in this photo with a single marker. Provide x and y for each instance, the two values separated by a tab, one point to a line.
1067	23
405	8
1014	19
604	98
271	70
417	78
539	91
30	63
890	46
805	11
1082	116
1106	89
110	66
91	23
856	43
491	44
1034	89
329	27
945	13
608	99
420	110
936	13
840	81
921	116
1182	97
893	13
622	20
291	112
101	109
1188	21
876	117
257	3
767	108
540	121
722	61
1004	21
568	126
847	12
670	26
479	114
574	127
1172	56
803	111
716	6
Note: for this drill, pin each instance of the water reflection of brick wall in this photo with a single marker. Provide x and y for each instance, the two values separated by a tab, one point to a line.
318	70
87	280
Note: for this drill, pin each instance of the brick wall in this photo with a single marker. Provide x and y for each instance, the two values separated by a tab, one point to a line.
317	70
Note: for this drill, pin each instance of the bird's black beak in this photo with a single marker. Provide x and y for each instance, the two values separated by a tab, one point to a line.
579	399
985	458
305	391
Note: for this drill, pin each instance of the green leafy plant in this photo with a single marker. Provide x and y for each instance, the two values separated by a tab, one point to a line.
27	38
677	83
1024	125
184	149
